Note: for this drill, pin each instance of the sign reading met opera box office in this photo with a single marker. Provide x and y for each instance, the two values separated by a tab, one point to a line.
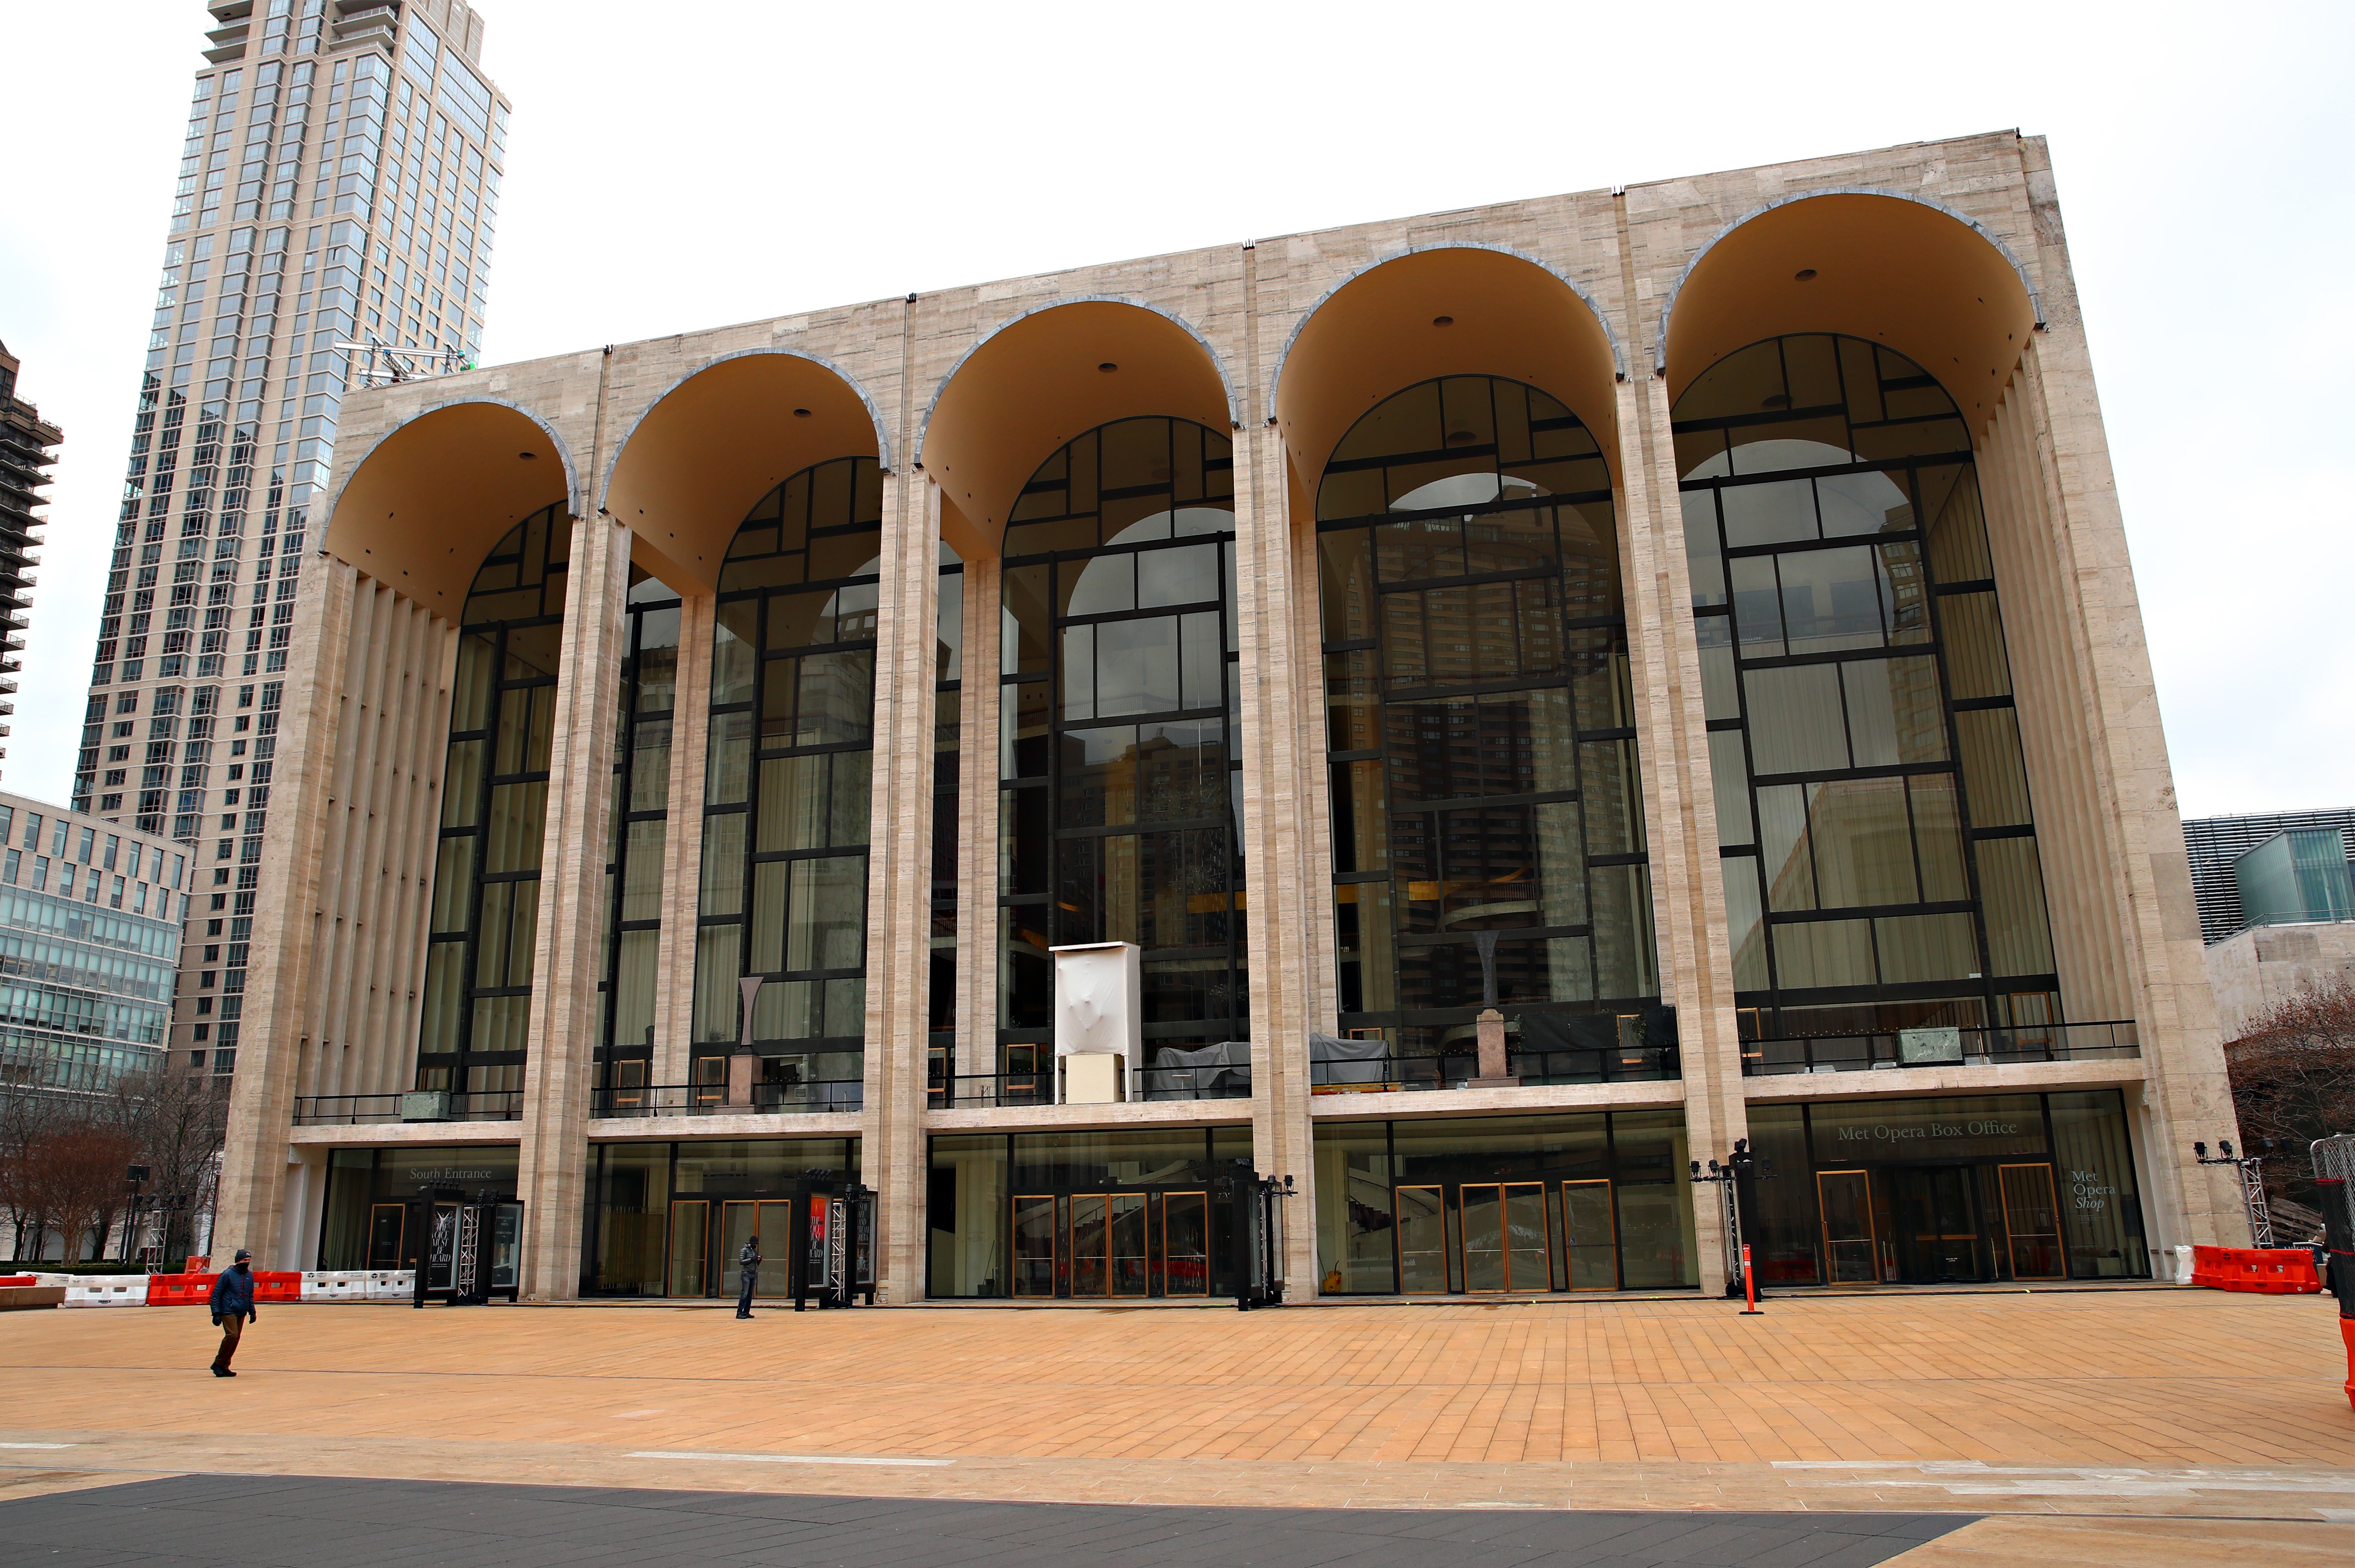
1309	615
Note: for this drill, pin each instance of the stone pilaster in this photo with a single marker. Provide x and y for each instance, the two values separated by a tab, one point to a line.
568	954
287	935
682	895
1283	912
899	878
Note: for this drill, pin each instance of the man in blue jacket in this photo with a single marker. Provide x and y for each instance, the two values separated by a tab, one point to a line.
232	1308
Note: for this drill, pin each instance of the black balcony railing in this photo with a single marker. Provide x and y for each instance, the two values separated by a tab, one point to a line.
419	1106
1609	1064
811	1094
1940	1048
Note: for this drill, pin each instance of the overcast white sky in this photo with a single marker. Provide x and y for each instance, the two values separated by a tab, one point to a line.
690	164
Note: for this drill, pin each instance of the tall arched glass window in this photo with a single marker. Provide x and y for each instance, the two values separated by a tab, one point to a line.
785	788
486	913
1880	858
1482	740
1119	812
639	830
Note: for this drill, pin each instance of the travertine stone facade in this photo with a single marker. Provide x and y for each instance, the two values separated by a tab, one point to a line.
1613	301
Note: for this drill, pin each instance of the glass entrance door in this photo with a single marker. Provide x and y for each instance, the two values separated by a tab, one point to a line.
1937	1224
1505	1243
387	1226
1851	1250
2032	1221
768	1222
1590	1235
690	1225
1108	1243
1034	1245
1421	1229
1186	1244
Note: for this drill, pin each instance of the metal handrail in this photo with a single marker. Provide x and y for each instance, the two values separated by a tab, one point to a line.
810	1094
971	1091
1534	1069
359	1110
2109	1039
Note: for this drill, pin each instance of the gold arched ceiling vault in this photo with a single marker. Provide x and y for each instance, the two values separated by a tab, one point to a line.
719	440
1040	381
431	498
1380	333
1893	270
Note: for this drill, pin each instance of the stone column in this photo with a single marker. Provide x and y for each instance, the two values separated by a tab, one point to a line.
1284	902
978	799
568	954
1680	807
899	878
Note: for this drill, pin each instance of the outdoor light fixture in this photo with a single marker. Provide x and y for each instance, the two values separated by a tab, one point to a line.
1107	367
527	456
801	413
1442	321
1803	275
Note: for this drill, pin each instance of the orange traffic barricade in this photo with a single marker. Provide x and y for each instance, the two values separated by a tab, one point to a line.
2263	1271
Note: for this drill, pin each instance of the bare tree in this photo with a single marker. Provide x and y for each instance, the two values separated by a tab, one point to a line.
177	1120
2293	1079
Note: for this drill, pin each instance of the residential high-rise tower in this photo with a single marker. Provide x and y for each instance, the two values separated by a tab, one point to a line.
338	191
26	450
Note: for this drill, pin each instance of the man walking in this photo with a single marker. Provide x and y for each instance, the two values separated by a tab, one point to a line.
749	1262
232	1308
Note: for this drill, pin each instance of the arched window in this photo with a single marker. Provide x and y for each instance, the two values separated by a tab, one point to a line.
486	913
1482	740
786	789
1117	708
1880	859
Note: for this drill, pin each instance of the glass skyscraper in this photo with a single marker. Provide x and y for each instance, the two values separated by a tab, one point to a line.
338	194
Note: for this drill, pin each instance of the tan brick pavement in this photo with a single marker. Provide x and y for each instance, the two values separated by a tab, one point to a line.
2160	1404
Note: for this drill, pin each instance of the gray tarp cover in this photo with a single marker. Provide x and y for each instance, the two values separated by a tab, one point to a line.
1350	1061
1205	1072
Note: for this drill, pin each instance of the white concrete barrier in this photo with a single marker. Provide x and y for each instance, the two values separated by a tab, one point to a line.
335	1285
104	1289
393	1284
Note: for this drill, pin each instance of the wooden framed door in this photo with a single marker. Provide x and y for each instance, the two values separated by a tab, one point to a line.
388	1227
1590	1235
769	1224
1851	1248
1035	1250
1505	1247
685	1271
2032	1221
1186	1244
1421	1229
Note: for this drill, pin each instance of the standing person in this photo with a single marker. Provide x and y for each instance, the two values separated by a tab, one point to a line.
232	1308
749	1262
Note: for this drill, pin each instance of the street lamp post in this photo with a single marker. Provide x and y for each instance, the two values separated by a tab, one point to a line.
137	1177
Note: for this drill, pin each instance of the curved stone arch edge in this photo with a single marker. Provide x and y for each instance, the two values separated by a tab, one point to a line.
1217	366
1667	307
574	500
1618	355
858	388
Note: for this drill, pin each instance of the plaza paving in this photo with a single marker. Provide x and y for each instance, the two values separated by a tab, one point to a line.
2184	1427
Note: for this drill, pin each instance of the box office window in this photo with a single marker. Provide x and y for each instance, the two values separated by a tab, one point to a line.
667	1218
1989	1187
1505	1204
1083	1215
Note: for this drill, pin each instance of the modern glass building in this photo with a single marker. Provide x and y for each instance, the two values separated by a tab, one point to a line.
90	946
1549	694
338	194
